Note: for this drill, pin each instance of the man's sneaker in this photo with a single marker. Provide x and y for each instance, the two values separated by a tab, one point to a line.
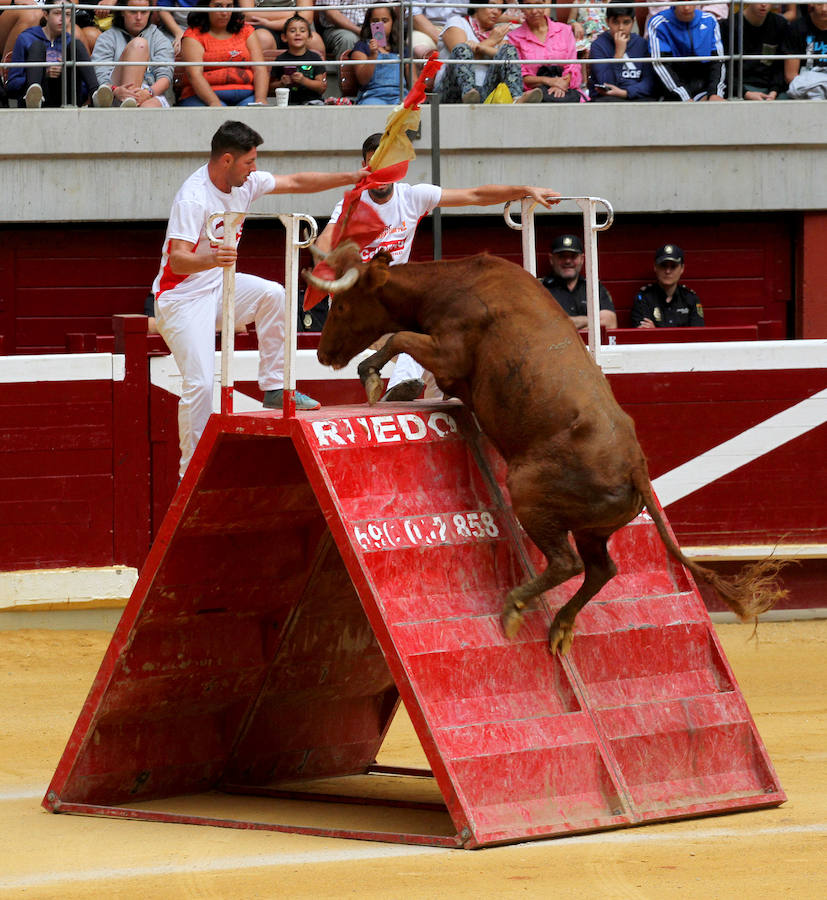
33	97
129	103
275	400
102	97
405	390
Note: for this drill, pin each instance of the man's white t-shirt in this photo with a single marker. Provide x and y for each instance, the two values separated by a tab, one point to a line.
401	214
197	200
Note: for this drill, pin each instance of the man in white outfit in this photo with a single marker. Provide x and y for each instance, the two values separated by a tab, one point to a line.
400	206
188	287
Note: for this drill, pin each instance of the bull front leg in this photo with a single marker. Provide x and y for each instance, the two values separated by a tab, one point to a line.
369	372
420	346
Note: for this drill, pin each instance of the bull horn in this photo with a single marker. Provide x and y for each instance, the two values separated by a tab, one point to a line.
333	287
317	253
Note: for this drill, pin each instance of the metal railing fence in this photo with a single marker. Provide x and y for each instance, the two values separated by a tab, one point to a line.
733	60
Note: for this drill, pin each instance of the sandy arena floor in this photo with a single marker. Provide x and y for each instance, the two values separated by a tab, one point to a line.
777	853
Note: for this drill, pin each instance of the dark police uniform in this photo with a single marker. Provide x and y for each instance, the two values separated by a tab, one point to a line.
574	302
683	309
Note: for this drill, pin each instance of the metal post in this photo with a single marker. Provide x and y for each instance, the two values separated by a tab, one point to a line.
433	100
589	209
527	235
293	243
231	223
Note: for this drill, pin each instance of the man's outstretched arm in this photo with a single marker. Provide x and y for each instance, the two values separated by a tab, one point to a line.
490	194
312	182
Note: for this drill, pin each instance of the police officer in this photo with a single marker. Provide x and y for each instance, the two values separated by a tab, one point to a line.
666	303
568	287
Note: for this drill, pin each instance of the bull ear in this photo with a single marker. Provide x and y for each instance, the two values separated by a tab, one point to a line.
378	270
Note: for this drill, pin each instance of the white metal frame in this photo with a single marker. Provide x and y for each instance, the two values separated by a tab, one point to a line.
588	206
293	243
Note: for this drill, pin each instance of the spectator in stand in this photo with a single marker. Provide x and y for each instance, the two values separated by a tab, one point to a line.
765	33
306	81
17	16
587	22
622	78
173	19
222	35
428	23
568	286
341	27
809	35
542	38
270	20
380	39
41	85
645	16
666	303
133	40
481	35
686	31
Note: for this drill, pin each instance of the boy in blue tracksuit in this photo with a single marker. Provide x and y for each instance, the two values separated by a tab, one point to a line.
686	31
621	76
41	85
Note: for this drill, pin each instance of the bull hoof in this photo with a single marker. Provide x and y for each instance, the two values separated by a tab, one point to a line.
373	387
560	639
512	620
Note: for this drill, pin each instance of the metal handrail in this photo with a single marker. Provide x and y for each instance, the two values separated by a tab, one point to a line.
588	206
731	59
293	243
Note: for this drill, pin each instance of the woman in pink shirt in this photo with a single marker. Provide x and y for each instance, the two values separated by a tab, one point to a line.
541	38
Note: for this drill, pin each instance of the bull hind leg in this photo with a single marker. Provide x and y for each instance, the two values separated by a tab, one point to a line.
563	563
599	569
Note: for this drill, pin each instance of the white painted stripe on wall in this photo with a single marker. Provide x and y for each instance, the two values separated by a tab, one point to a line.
164	374
31	587
742	449
732	356
62	367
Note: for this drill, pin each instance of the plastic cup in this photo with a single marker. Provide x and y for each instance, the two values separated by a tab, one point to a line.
282	96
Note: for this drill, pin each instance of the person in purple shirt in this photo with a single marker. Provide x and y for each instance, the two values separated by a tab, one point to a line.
621	77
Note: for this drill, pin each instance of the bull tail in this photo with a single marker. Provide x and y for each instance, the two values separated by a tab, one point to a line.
750	592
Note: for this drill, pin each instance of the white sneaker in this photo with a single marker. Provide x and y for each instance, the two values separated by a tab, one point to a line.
33	97
129	103
102	97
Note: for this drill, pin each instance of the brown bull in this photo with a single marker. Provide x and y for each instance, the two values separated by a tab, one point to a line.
491	336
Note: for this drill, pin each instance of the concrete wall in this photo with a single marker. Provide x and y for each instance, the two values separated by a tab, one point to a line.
93	165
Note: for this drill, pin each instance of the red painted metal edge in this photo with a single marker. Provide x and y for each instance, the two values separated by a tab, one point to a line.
389	837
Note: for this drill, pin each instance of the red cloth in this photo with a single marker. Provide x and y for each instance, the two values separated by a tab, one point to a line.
358	222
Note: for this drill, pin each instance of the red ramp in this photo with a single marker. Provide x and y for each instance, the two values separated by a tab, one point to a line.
312	570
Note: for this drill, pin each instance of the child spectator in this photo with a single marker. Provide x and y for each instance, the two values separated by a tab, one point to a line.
218	36
379	84
809	35
270	20
41	85
481	35
307	82
541	38
686	31
133	40
620	77
765	33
